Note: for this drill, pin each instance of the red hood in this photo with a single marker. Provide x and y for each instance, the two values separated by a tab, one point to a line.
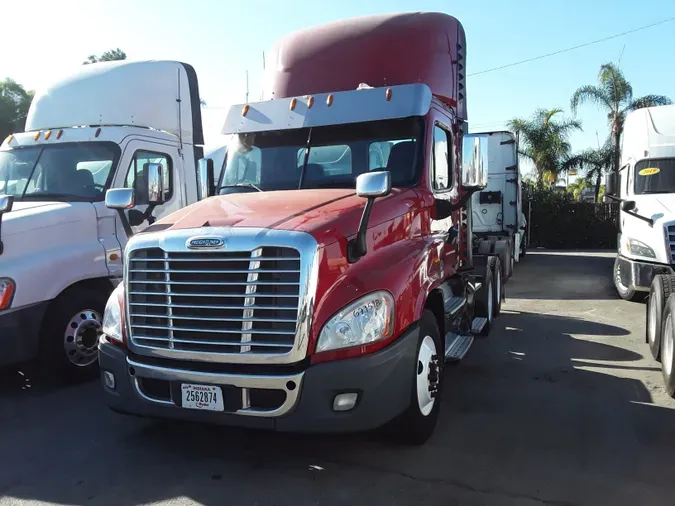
305	210
326	214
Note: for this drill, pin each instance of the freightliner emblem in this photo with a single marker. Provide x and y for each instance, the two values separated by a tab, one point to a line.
205	243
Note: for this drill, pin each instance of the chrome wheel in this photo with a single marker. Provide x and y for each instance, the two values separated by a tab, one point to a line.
667	355
427	375
80	339
490	303
499	286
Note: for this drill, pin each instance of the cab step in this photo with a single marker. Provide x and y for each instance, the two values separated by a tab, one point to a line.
456	346
478	324
453	305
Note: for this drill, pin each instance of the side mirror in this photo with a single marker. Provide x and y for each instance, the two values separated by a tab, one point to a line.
628	205
154	182
373	184
370	186
6	203
120	198
610	184
474	162
206	175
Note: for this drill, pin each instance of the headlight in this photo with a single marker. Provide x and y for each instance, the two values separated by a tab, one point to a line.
7	289
364	321
640	249
112	317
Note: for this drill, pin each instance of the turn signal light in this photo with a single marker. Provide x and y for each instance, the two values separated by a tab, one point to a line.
7	289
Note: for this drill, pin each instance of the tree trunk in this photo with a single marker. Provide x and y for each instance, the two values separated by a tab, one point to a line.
597	186
616	134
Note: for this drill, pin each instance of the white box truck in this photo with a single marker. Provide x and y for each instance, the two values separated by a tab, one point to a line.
497	219
106	125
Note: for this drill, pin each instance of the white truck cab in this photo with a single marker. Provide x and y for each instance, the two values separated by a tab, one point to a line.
103	126
646	187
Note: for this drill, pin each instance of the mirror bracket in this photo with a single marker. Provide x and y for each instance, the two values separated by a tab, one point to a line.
8	203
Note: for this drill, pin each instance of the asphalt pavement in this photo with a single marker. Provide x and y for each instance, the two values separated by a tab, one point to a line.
560	405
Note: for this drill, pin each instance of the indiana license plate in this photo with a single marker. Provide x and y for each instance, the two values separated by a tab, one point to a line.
206	397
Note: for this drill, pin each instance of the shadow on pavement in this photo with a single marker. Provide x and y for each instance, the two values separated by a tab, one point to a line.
520	424
563	275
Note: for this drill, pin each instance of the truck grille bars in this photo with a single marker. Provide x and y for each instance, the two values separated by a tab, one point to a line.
214	302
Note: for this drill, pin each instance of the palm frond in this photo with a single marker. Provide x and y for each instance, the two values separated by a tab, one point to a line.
590	94
648	101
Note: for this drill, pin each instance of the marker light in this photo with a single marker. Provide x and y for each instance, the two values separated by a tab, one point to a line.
293	103
9	139
329	100
388	94
36	136
59	134
244	110
97	133
48	134
310	102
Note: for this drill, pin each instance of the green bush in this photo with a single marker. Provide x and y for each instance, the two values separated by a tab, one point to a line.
556	221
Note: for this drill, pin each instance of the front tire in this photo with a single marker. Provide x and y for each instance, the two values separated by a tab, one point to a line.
498	291
625	292
668	346
70	334
417	423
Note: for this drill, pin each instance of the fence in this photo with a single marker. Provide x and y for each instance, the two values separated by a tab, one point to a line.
566	224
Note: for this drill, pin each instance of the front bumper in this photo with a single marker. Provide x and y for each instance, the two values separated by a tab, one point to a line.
299	401
638	275
20	333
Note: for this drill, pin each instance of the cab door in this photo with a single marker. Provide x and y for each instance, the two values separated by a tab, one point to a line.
444	184
130	174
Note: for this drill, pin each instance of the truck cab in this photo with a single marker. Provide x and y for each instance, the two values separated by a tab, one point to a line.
646	189
330	277
104	126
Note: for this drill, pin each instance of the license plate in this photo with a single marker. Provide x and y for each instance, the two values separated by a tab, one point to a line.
205	397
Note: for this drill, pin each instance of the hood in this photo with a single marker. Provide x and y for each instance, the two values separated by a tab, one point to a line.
27	216
326	214
659	207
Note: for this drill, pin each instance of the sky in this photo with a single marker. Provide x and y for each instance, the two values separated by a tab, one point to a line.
223	39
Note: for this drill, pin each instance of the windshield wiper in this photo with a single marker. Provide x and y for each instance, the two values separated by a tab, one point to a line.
56	196
241	185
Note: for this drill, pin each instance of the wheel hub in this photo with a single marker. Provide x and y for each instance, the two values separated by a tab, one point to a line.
651	320
80	339
428	375
668	345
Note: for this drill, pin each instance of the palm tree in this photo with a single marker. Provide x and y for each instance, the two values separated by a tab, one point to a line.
593	163
544	139
614	94
111	55
578	186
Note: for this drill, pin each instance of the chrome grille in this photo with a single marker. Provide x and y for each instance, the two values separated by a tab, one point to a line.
670	233
214	302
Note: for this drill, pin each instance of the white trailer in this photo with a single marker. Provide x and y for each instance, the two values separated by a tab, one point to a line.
497	219
106	125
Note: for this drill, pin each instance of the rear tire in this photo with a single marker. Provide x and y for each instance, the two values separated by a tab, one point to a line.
417	423
662	286
625	292
498	290
70	334
484	304
507	266
668	346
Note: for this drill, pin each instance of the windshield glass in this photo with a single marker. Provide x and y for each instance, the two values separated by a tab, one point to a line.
77	172
655	176
337	155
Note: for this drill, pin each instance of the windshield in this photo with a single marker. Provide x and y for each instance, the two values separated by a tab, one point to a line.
655	176
337	155
68	172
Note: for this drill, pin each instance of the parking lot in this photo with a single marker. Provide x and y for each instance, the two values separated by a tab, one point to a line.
561	405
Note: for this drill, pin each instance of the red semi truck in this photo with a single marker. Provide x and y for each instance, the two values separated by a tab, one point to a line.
333	273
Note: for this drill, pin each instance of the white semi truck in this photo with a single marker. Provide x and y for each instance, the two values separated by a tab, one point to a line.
107	125
646	188
497	218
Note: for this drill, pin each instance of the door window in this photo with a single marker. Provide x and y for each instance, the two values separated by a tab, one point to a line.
442	169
